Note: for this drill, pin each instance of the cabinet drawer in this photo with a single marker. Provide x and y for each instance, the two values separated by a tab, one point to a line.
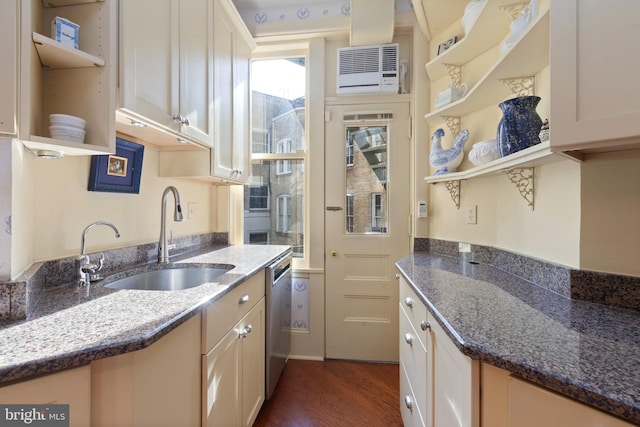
413	358
411	415
415	309
220	316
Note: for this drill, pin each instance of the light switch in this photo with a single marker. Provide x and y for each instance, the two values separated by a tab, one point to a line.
192	209
472	212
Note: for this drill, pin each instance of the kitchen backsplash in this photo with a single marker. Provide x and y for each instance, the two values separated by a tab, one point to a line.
602	288
18	295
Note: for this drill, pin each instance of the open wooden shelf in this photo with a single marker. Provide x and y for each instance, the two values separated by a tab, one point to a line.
55	55
536	155
68	148
528	56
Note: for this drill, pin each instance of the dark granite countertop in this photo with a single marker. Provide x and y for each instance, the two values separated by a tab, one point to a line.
589	352
71	328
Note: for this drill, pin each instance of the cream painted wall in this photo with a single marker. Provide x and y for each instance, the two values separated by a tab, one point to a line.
5	209
550	232
51	207
611	216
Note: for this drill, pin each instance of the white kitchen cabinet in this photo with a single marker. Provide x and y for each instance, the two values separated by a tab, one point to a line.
508	401
166	66
439	385
233	45
415	349
233	360
594	106
156	386
71	387
8	72
55	78
456	383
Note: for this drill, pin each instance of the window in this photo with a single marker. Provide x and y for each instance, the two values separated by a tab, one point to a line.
377	223
284	166
259	197
259	238
274	200
283	213
350	152
349	216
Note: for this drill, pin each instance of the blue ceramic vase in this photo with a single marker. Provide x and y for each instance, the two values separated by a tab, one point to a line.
520	125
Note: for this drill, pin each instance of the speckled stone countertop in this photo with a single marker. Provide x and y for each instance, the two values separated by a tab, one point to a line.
587	351
71	328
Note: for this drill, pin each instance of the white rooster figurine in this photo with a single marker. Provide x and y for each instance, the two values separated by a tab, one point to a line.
446	161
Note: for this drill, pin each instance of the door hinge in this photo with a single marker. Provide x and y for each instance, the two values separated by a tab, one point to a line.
410	133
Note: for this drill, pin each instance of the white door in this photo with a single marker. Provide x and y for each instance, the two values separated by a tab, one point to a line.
367	227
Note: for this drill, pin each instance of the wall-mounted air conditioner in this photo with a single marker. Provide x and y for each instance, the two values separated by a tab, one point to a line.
368	69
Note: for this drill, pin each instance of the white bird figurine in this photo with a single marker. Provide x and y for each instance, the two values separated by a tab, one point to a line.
446	161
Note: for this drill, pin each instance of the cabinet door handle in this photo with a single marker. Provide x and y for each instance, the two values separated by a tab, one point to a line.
409	302
408	401
244	299
408	338
179	119
245	331
424	325
397	277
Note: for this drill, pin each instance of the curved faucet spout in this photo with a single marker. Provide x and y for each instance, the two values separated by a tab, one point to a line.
89	227
87	271
163	247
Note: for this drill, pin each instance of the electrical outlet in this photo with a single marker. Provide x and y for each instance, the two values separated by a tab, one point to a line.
192	209
472	213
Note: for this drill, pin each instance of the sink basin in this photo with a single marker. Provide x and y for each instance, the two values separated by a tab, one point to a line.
171	278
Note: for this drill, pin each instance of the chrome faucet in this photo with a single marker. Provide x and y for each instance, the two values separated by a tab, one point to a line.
163	247
88	272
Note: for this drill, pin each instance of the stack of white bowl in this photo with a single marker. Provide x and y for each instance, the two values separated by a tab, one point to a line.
69	128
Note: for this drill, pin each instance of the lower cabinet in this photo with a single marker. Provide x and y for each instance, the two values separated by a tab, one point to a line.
233	356
233	373
439	386
512	402
156	386
71	387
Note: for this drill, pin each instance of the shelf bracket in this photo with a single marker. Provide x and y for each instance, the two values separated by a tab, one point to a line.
455	73
454	190
521	86
523	179
453	123
514	10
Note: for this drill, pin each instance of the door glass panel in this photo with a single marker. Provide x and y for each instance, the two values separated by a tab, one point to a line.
366	183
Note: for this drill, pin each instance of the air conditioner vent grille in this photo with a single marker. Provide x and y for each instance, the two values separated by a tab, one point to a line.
354	61
389	58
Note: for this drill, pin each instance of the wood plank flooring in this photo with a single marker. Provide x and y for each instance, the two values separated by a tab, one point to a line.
334	393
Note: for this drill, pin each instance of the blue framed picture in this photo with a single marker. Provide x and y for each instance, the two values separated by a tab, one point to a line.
119	172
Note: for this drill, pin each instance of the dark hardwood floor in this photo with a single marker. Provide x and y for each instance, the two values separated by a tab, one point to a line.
334	393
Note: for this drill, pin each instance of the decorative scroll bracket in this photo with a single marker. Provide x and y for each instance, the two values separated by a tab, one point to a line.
453	123
455	73
514	10
454	190
523	179
521	86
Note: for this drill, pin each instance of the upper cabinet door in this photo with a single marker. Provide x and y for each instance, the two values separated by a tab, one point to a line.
149	60
594	104
9	52
242	110
166	65
196	69
224	41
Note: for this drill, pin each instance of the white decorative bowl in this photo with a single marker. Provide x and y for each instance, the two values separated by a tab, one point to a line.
67	120
67	133
484	152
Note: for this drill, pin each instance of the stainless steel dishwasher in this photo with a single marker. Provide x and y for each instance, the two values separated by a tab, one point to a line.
278	315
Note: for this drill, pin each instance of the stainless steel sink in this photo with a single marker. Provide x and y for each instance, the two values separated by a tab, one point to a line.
171	278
